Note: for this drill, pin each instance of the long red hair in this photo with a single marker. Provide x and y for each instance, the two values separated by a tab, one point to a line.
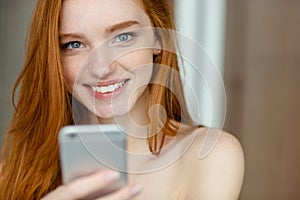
30	162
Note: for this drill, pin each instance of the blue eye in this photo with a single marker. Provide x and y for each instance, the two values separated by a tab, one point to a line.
72	45
124	37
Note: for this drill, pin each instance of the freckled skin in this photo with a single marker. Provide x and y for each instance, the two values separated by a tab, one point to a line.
106	56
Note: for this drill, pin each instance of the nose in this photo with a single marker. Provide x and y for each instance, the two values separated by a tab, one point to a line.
101	62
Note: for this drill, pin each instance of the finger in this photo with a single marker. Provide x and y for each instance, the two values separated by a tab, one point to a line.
84	186
125	193
87	185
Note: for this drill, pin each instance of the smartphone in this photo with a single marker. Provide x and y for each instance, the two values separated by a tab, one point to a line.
85	149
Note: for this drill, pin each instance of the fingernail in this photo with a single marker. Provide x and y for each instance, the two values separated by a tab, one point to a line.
136	190
112	175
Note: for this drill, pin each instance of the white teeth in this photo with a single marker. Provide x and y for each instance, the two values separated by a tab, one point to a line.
108	88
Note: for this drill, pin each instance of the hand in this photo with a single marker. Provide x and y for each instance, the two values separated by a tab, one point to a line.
85	186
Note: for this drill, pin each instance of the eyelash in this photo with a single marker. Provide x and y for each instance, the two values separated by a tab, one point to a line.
66	46
129	35
116	41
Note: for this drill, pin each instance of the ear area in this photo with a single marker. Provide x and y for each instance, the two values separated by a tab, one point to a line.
157	47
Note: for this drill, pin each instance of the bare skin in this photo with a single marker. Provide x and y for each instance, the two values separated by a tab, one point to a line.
218	175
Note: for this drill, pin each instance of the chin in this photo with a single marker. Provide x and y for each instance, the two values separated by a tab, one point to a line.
112	112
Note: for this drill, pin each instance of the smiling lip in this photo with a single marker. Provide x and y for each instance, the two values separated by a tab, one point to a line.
107	89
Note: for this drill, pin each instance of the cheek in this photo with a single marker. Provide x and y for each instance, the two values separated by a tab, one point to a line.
143	67
137	60
71	70
69	75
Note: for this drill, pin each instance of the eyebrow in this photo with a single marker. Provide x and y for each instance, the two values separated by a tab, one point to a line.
108	30
121	26
71	35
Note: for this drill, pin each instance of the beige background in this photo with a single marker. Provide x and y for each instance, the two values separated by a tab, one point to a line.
262	77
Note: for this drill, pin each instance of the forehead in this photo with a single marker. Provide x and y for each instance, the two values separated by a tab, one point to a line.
101	13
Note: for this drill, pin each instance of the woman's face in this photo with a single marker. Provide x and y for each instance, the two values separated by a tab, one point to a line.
107	52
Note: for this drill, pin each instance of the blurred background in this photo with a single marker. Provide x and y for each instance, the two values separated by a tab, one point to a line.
255	44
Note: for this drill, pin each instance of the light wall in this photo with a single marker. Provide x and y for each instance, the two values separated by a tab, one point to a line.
203	21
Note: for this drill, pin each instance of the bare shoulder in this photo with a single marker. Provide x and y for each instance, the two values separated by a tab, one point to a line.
218	165
215	144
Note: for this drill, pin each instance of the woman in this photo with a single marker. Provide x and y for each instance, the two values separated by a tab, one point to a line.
101	52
